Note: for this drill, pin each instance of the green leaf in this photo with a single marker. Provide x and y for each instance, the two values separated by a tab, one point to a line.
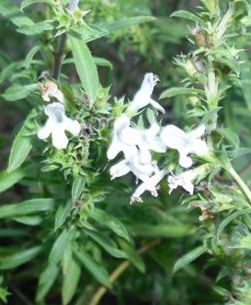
188	15
26	207
96	269
179	91
36	28
62	212
123	24
30	56
77	187
86	68
20	258
161	230
133	256
226	221
46	280
102	62
21	146
110	222
188	258
59	247
107	244
29	220
26	3
18	92
71	275
88	34
13	14
8	179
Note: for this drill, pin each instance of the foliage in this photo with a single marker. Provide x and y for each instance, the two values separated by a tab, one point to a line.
68	232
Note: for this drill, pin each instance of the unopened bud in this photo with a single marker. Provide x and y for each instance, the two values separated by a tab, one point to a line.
199	36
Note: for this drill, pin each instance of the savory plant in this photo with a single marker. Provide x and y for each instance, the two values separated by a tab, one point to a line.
84	158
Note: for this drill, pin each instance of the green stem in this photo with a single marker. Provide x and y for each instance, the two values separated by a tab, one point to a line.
73	4
119	271
242	185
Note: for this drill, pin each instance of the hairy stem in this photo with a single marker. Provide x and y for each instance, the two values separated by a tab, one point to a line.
119	271
242	185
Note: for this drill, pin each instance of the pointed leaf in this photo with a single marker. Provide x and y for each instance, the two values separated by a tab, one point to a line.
86	68
96	269
189	257
21	146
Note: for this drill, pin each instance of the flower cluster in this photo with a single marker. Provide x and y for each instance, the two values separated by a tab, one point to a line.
57	122
137	146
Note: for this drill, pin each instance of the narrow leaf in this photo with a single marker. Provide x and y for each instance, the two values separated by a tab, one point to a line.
26	207
188	258
179	91
46	280
77	187
62	212
229	219
20	258
86	68
71	275
96	269
59	246
26	3
21	146
107	244
188	15
18	92
110	222
8	179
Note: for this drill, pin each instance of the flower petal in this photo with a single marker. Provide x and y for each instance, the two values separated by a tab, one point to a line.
157	106
119	169
46	130
72	126
59	139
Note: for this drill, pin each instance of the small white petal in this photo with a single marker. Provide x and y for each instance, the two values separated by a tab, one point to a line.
72	126
157	106
59	139
119	169
185	143
45	131
185	180
185	161
149	185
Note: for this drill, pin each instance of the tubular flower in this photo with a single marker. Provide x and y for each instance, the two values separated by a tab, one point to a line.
56	125
185	143
149	185
184	180
142	171
142	97
131	140
50	90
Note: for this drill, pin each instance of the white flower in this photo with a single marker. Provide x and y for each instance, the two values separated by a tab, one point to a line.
149	185
129	140
50	90
185	143
123	139
184	180
56	125
142	97
142	171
